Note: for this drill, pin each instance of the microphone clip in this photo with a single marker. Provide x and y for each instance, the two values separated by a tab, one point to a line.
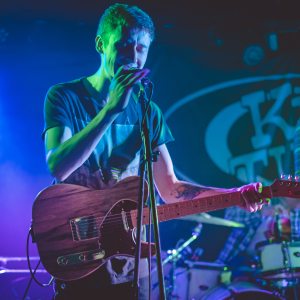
145	82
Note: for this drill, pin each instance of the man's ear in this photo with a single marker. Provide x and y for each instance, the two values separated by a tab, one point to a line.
99	44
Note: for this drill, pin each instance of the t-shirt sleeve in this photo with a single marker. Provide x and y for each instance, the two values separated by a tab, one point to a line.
56	112
161	133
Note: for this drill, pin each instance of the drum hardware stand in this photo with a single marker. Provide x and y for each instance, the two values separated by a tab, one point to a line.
171	287
174	257
284	244
174	253
147	157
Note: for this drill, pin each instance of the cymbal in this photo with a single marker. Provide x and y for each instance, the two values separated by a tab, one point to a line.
206	218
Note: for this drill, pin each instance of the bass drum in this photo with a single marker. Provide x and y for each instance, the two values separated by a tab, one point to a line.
274	259
198	278
240	291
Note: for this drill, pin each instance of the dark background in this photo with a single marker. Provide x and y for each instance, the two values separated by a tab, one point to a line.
198	44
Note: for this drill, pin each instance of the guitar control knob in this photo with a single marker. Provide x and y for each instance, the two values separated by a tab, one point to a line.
282	176
297	177
64	261
290	177
82	257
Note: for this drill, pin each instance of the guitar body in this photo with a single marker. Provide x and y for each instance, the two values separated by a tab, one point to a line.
78	229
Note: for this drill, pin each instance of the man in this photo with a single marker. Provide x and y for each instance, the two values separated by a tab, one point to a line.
92	139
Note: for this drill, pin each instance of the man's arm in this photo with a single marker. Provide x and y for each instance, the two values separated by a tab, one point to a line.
64	152
173	190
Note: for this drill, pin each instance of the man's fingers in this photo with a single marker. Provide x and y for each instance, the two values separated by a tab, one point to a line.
130	71
129	78
251	198
138	78
258	187
120	71
266	201
134	78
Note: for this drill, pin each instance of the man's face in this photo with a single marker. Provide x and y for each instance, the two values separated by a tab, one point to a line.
125	46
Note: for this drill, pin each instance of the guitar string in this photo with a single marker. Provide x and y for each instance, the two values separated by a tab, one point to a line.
117	218
102	230
111	222
172	206
117	221
108	226
112	217
129	213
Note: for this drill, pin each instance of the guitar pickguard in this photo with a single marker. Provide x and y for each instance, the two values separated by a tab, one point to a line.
115	233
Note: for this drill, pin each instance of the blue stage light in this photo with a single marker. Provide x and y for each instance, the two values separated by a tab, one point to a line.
253	55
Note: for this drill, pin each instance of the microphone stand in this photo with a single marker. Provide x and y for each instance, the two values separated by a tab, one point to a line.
147	157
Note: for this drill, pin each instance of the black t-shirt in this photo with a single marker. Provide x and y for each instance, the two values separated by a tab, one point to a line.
115	157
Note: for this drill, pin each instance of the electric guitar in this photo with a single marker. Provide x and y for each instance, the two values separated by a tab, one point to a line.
78	229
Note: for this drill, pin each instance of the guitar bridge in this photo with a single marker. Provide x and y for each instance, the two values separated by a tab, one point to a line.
84	228
125	221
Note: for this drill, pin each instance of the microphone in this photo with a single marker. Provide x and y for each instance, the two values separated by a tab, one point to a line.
145	82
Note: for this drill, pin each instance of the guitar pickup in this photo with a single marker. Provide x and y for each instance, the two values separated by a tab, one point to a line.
81	257
84	228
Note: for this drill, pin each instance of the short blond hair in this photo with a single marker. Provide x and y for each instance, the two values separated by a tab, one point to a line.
125	15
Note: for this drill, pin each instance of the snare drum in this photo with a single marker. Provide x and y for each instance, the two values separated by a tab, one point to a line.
197	278
239	291
278	260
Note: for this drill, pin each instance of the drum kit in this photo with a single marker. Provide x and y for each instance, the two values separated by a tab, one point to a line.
275	271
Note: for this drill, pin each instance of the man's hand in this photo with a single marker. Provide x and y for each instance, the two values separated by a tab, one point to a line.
121	87
252	197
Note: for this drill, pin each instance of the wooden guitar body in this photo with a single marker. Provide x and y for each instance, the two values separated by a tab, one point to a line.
78	229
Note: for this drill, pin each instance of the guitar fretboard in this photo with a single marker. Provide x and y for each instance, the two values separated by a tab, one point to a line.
177	210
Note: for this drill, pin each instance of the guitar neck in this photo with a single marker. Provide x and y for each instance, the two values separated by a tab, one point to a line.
177	210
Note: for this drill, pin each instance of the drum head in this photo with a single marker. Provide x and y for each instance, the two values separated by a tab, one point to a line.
251	295
240	291
280	274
